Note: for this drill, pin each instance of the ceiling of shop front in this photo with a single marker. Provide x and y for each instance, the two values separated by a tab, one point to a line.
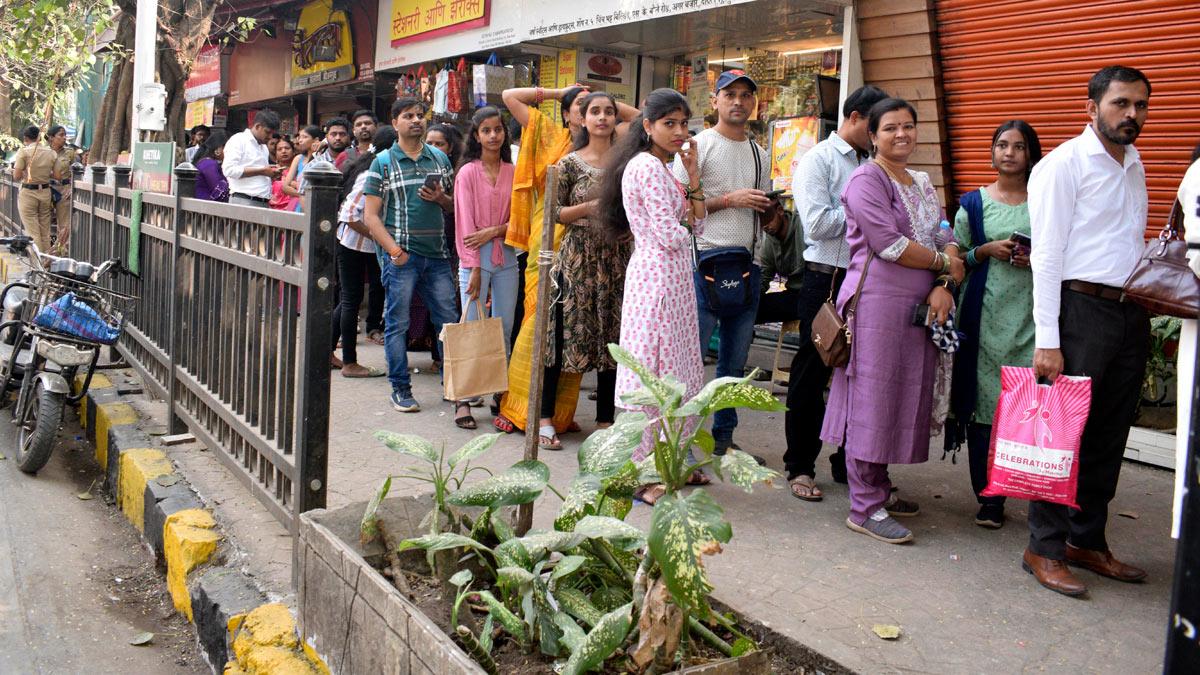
726	32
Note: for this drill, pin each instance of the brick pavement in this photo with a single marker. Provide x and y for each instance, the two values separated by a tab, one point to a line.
958	593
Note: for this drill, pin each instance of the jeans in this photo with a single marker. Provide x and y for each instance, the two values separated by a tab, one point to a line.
979	441
736	333
431	279
355	270
1109	342
807	380
503	286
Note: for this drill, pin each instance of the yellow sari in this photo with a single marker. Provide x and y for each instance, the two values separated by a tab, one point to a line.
543	143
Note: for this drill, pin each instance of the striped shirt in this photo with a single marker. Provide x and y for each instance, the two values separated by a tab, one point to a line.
418	225
352	212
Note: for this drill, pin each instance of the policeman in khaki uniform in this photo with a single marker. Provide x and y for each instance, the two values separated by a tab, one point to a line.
34	168
64	158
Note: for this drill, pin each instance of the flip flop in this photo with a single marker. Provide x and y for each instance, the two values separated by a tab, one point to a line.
698	477
367	371
375	336
334	362
649	494
548	439
804	487
503	424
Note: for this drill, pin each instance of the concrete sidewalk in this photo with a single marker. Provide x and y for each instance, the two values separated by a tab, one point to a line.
958	593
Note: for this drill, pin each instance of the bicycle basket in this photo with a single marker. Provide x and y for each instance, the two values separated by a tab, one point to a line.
78	310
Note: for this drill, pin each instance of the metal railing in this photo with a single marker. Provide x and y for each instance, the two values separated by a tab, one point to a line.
233	323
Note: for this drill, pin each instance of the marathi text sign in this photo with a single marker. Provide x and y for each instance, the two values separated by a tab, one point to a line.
421	19
152	164
559	18
205	79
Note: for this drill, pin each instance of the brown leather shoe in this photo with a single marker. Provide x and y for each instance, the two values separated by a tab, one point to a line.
1052	574
1104	564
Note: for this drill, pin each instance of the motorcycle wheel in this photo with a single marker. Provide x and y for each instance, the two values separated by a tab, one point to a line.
39	425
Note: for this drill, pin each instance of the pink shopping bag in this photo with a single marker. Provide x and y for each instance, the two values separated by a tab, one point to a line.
1035	437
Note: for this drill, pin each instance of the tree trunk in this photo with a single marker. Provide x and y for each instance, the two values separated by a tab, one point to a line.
5	110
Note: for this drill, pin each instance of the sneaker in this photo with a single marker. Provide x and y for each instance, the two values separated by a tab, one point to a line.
720	450
990	516
404	402
883	527
901	508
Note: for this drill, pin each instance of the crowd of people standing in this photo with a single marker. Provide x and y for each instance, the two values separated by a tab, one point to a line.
653	220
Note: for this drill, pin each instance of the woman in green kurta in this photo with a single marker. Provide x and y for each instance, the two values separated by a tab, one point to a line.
996	310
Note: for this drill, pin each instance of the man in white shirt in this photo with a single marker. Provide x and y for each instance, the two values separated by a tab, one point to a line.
736	173
817	187
1087	209
247	164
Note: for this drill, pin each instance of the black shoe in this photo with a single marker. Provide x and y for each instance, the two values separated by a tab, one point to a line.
720	450
837	467
990	516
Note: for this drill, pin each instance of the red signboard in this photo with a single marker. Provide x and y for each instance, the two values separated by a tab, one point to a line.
205	78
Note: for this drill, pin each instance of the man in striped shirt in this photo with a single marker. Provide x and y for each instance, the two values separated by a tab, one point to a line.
405	201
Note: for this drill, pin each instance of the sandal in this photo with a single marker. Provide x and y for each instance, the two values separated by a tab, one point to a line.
334	362
804	487
375	336
649	494
466	421
698	477
503	424
548	439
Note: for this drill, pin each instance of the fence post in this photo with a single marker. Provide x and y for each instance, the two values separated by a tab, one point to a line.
185	187
312	419
76	177
99	174
121	176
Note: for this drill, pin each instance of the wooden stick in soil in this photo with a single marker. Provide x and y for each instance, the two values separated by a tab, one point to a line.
476	650
393	562
545	258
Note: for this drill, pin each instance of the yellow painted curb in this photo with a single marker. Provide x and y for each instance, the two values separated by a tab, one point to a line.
189	540
138	467
264	641
99	381
107	416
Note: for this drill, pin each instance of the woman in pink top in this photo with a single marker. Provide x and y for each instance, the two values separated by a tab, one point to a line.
482	191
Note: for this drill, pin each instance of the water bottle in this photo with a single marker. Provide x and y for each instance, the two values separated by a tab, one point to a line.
944	235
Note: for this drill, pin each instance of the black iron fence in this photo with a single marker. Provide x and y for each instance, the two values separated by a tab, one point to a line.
233	323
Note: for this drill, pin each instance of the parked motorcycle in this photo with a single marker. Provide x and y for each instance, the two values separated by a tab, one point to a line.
55	321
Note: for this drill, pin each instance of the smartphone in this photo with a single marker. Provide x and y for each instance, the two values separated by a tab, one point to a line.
920	315
1022	240
432	180
775	194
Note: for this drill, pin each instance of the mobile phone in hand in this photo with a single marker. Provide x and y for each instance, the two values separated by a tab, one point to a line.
433	180
921	315
1022	240
775	194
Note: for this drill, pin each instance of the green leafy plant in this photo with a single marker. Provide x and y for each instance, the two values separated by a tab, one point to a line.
1160	366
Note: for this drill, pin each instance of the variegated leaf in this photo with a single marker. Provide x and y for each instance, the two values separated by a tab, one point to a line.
601	641
522	483
658	389
730	392
582	493
508	621
369	527
462	577
648	471
572	635
606	451
568	565
512	553
514	575
539	543
473	448
682	530
741	469
578	605
501	527
615	507
441	542
623	483
704	440
408	444
618	532
639	398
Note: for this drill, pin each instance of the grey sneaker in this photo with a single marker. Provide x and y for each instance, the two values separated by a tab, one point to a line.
901	508
883	527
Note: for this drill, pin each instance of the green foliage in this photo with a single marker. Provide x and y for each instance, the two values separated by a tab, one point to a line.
369	528
682	531
1160	368
601	641
522	483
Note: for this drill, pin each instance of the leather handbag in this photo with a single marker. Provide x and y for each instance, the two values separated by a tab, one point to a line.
1163	282
831	333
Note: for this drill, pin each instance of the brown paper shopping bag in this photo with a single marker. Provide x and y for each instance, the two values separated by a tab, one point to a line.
474	363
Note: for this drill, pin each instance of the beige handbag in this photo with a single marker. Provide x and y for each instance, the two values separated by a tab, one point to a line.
831	333
474	362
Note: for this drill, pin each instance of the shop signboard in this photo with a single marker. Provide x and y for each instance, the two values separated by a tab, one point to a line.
322	47
422	19
698	93
205	79
199	112
791	138
605	71
152	163
560	18
548	79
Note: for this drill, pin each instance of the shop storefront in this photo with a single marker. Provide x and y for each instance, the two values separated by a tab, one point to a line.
792	49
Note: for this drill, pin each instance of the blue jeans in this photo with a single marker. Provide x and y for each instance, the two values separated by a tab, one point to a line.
736	333
502	282
431	278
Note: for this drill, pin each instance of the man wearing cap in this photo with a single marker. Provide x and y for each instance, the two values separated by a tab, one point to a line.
736	174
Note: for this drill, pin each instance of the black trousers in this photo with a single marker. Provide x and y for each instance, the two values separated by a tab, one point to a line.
778	307
806	386
606	380
979	441
356	270
1109	342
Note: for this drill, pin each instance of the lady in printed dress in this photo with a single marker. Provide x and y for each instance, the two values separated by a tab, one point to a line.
588	276
640	196
881	402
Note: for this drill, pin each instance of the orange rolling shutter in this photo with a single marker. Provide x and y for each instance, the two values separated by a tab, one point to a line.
1004	59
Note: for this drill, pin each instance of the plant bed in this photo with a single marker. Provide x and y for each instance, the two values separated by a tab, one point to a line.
449	584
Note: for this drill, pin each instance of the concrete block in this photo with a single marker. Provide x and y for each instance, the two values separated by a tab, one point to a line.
325	607
106	416
177	439
139	466
157	511
265	642
189	540
121	438
218	595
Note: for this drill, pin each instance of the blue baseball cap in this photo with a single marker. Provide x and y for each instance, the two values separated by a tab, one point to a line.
730	76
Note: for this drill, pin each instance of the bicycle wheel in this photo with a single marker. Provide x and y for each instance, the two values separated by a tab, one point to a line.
39	424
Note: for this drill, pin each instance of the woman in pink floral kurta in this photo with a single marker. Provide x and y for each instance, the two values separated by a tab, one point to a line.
658	320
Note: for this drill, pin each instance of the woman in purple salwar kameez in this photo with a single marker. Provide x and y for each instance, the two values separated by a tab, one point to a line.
880	403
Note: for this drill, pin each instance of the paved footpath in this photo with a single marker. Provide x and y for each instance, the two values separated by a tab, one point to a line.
958	593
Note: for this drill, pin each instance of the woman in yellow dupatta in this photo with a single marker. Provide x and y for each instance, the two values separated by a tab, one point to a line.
543	142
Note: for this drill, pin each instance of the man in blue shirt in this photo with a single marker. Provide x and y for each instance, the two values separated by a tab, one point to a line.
405	201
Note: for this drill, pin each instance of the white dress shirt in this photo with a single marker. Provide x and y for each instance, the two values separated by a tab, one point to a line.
243	151
1088	217
817	185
